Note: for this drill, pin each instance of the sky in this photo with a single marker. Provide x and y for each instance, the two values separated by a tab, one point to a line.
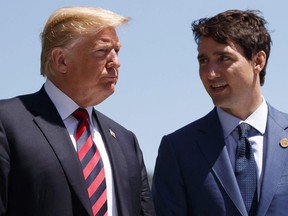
159	89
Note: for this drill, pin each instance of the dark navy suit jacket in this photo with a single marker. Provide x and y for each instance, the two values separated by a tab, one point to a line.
40	174
194	176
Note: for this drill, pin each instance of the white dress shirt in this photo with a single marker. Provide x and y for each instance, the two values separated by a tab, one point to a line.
65	107
258	120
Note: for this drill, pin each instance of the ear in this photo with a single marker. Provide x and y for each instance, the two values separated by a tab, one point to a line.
58	60
259	61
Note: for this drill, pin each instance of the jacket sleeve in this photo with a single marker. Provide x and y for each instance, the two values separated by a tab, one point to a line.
4	170
168	189
147	206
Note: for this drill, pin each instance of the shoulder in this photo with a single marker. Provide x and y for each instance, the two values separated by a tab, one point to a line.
278	116
113	126
13	113
104	118
19	107
21	101
197	126
10	106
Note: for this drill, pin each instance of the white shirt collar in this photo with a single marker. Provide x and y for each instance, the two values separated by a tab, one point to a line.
258	119
64	104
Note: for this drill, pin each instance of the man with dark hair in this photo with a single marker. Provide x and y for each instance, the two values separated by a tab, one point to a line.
234	160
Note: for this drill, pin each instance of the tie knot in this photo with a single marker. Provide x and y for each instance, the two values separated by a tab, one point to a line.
80	114
243	130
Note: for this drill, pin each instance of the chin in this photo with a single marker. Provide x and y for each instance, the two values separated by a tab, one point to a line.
112	87
109	91
219	103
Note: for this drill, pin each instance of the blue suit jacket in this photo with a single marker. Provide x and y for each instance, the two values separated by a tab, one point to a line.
40	173
193	173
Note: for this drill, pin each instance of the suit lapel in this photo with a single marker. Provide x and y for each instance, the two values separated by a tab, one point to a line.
118	164
274	157
212	144
52	127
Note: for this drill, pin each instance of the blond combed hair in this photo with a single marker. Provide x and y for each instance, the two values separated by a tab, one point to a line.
68	24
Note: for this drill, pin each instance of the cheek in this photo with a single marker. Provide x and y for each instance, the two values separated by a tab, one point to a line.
98	66
93	69
202	75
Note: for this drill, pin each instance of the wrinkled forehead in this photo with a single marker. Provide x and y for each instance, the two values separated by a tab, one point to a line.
107	36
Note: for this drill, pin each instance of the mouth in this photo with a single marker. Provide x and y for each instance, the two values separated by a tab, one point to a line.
218	86
112	74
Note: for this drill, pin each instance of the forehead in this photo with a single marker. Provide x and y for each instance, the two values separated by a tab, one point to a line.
107	34
105	37
208	45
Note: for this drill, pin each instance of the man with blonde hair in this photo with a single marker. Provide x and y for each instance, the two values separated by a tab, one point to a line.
58	155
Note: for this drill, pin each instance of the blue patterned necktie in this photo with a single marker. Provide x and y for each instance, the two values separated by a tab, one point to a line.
246	170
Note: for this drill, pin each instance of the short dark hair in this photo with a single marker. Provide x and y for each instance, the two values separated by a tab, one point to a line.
246	28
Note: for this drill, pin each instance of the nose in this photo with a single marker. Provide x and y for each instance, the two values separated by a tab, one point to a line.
212	71
212	74
113	59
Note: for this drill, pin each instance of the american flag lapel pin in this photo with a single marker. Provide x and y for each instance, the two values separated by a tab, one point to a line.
112	133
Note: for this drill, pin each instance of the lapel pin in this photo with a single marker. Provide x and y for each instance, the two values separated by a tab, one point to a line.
114	135
284	143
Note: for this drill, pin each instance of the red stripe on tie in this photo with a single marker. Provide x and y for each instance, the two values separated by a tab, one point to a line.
97	181
85	148
90	168
99	203
91	164
80	130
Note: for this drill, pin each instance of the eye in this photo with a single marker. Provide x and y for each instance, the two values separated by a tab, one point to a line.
102	50
117	50
224	58
202	60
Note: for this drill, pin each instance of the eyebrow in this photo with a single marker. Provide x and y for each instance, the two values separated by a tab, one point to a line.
201	56
214	53
107	43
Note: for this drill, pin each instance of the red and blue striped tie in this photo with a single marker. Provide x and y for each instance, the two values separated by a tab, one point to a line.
92	164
